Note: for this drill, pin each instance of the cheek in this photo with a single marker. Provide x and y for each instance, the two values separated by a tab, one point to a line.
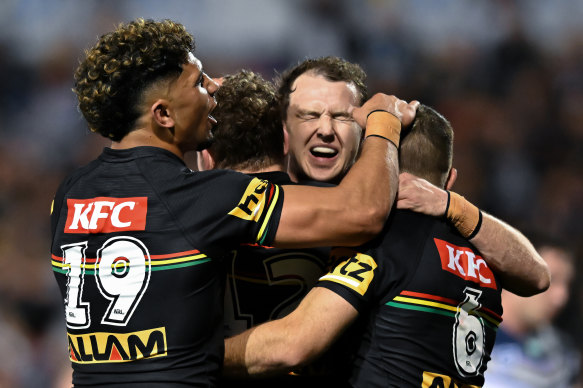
351	140
299	137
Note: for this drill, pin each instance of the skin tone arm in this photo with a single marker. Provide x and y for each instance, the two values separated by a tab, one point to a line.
285	344
507	251
354	211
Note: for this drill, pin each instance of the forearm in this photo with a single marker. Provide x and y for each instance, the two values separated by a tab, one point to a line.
282	345
258	352
515	260
505	249
234	361
371	184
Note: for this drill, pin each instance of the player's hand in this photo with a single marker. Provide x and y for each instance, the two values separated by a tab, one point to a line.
403	110
420	196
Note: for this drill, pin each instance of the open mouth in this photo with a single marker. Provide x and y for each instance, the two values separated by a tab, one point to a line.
323	152
212	120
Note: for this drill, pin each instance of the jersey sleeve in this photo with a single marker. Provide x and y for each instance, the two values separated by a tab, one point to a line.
374	273
223	209
354	277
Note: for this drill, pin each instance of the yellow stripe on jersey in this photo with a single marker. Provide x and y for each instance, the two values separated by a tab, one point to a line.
357	272
252	202
268	216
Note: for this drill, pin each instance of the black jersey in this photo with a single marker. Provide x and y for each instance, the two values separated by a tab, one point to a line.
429	305
136	237
265	283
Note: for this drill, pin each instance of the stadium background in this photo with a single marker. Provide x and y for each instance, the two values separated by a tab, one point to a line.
508	75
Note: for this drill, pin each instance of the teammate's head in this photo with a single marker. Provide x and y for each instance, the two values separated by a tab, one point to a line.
248	135
427	147
317	97
140	67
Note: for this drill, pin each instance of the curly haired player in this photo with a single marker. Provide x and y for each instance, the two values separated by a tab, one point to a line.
138	237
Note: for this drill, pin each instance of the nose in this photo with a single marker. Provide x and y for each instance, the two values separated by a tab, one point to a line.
326	129
211	85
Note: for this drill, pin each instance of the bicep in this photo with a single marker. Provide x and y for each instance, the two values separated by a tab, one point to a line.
321	216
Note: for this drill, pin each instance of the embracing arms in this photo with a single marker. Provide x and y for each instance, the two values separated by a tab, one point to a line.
355	210
285	344
505	249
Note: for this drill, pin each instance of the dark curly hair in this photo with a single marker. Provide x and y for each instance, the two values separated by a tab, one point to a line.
249	133
427	146
332	68
110	81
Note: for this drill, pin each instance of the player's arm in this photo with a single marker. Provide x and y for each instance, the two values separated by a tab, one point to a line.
285	344
355	210
507	251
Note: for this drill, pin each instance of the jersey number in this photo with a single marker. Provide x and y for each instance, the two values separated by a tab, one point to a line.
296	268
122	273
468	335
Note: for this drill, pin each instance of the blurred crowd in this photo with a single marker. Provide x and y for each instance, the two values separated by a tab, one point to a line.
507	74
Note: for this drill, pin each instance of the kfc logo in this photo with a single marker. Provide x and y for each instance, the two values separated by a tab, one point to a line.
463	262
106	215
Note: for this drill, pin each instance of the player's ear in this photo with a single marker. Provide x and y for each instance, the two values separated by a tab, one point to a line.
285	140
160	113
451	177
205	160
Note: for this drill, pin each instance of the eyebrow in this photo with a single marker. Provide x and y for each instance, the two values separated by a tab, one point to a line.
308	111
340	112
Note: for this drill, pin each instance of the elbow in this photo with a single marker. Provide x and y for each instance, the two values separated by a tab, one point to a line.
286	359
370	224
534	285
279	359
544	280
299	356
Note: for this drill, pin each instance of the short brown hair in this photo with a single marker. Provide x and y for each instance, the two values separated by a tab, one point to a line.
332	68
249	133
427	147
110	80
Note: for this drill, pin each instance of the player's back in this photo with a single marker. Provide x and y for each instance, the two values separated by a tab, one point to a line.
430	310
265	283
135	241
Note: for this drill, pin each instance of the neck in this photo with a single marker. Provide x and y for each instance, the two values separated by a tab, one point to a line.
142	137
271	168
289	167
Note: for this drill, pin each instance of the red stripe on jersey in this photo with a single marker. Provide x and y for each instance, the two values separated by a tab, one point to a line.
153	257
428	296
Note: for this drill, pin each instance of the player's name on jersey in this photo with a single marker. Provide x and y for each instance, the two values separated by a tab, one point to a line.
117	347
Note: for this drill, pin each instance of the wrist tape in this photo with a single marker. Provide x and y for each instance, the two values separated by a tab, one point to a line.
383	124
466	217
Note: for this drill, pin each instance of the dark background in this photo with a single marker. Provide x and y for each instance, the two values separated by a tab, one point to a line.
507	74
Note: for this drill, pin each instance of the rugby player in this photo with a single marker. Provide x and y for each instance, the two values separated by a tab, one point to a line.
137	236
263	283
317	96
424	303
